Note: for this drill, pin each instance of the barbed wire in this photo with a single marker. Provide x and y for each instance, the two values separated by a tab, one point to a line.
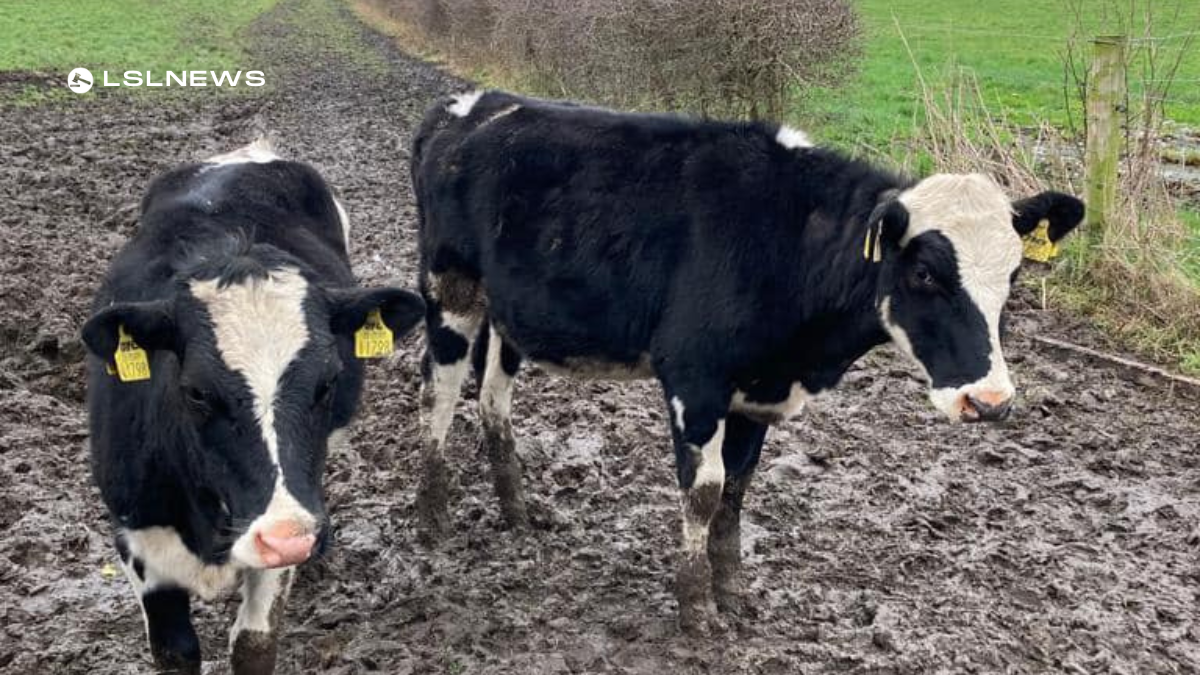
1163	38
1032	36
974	31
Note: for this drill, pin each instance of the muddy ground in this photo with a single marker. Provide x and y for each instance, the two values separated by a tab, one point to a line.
879	539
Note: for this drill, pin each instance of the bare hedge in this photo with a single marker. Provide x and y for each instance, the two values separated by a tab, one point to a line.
713	57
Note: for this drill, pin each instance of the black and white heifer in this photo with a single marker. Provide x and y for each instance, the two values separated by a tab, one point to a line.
734	262
237	287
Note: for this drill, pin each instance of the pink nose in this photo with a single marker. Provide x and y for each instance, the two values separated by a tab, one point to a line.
283	544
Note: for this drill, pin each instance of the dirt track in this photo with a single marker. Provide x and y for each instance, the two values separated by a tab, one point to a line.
880	540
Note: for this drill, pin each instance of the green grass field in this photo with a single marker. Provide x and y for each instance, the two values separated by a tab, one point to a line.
52	35
1015	49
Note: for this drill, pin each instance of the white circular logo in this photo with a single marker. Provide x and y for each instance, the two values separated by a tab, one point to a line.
80	80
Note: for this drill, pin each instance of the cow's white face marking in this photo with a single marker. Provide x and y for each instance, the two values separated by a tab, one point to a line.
792	138
461	107
258	152
782	410
974	214
260	328
167	561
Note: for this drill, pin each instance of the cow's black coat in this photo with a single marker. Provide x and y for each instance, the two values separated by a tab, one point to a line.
184	449
730	262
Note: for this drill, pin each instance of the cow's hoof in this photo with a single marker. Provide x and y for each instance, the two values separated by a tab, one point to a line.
433	526
701	622
253	654
516	517
176	652
734	603
174	665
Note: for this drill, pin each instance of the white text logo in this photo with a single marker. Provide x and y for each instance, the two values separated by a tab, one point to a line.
80	80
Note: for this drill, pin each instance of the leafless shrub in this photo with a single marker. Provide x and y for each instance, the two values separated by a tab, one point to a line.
717	57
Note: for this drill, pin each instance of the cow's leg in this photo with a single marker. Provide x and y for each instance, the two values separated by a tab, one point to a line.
454	312
740	451
698	430
254	638
495	407
166	612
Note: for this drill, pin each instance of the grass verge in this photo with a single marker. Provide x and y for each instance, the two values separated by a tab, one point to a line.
125	34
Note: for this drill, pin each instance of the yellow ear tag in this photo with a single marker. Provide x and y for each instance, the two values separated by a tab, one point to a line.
132	363
374	339
1038	246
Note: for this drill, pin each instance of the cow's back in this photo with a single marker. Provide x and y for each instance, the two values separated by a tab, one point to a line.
605	213
281	203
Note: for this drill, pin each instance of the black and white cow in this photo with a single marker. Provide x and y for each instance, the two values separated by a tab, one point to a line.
238	288
742	267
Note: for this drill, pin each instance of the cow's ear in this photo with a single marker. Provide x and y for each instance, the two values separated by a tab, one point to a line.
1062	211
400	310
891	219
150	324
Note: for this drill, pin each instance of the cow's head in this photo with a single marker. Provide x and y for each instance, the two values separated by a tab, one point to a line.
260	367
951	247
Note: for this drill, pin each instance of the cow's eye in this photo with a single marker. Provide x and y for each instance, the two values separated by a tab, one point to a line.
923	278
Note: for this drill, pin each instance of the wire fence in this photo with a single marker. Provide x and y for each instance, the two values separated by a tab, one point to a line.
1063	37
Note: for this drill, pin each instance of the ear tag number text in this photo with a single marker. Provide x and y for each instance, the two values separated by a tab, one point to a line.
132	363
374	339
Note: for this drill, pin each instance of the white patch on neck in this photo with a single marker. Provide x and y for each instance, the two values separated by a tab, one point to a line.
461	107
260	328
792	138
258	152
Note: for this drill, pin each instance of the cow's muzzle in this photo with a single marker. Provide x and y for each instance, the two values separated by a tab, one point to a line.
284	543
986	407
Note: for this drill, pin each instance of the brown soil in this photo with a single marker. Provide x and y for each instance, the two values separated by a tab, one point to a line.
879	539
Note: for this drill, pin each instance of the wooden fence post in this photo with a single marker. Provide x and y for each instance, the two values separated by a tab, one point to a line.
1105	103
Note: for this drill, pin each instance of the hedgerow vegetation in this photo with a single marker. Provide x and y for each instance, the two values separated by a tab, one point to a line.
730	58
